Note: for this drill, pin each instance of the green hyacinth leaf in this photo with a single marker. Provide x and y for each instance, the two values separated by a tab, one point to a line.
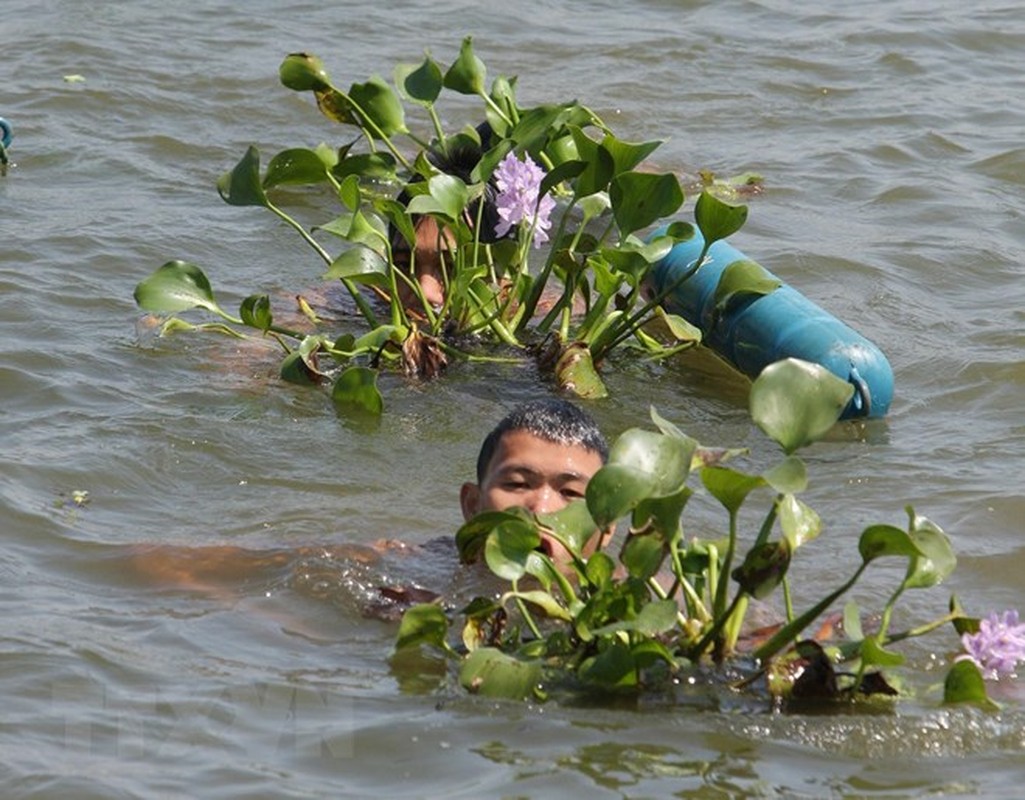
176	286
489	672
447	195
640	198
508	547
874	655
666	459
614	491
796	402
242	186
763	569
472	535
302	72
297	167
360	265
572	523
798	522
627	155
937	560
468	74
790	475
741	280
643	555
420	83
877	541
255	312
964	684
381	106
729	486
422	624
356	388
717	219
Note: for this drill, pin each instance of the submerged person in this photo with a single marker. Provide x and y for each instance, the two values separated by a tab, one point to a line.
540	457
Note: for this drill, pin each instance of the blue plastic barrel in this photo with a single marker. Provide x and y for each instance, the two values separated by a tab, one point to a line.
761	329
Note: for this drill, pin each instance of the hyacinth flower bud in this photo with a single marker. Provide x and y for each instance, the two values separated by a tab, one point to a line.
303	72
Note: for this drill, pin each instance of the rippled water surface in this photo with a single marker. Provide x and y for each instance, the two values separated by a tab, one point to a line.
889	135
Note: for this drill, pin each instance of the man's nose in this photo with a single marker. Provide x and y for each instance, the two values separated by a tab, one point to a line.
545	500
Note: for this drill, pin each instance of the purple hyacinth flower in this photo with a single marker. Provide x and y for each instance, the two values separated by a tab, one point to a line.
518	183
997	647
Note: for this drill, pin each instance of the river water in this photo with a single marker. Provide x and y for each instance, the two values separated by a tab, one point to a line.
888	134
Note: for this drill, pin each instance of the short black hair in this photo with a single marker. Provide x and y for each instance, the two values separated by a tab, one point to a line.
553	420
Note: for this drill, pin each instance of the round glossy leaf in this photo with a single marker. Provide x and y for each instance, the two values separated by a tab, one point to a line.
303	72
614	491
507	548
447	195
600	165
572	524
296	368
380	336
348	192
613	668
666	459
790	475
380	105
361	265
655	617
473	533
743	279
796	402
798	522
627	155
937	559
873	655
763	569
964	684
680	329
255	312
490	672
376	166
643	555
717	219
600	569
298	166
422	624
242	186
885	540
468	74
663	513
422	83
548	604
357	388
730	487
640	198
176	286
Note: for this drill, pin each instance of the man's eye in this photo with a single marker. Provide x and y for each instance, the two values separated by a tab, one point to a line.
515	486
572	494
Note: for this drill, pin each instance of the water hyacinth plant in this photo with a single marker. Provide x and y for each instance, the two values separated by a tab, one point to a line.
432	233
663	604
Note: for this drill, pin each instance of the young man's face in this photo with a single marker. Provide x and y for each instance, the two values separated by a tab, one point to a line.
539	475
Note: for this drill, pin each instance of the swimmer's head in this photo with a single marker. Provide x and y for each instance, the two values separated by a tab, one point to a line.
555	421
539	457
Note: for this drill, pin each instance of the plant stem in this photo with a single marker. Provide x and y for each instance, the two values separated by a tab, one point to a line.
361	301
788	632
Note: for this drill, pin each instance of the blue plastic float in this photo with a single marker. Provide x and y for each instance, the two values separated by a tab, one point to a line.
761	329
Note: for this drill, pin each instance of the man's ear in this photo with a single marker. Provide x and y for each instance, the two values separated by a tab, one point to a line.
469	500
